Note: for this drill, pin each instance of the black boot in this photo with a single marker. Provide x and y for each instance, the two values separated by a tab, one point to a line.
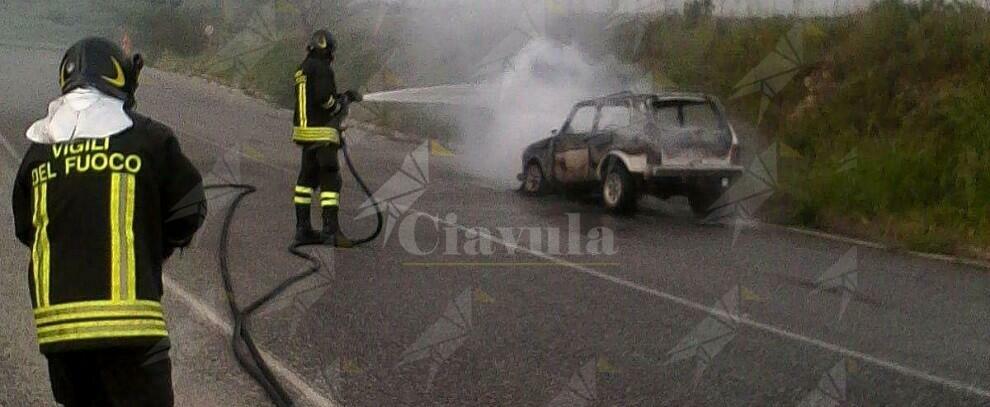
304	228
330	226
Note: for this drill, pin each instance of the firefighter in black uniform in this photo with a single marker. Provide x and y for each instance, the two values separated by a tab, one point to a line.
102	198
319	114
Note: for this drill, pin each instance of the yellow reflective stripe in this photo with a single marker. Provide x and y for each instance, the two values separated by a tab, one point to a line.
303	201
329	202
115	242
88	306
304	190
114	314
45	248
316	134
46	261
102	335
131	283
101	329
35	252
122	262
329	194
78	336
301	89
124	323
41	250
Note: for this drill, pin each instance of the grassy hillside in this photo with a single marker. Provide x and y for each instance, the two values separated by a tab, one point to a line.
888	113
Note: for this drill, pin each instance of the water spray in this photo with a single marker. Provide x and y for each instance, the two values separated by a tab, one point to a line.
455	95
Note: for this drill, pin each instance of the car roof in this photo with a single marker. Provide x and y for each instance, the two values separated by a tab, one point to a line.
644	97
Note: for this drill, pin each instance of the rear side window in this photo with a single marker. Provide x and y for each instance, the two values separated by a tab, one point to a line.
583	120
614	118
700	115
667	116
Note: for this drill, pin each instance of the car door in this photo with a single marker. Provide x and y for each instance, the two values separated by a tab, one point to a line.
571	158
613	117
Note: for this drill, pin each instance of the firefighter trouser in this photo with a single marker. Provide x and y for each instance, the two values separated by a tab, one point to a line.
127	376
320	168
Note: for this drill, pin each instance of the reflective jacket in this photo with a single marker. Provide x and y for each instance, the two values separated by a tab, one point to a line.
100	217
318	109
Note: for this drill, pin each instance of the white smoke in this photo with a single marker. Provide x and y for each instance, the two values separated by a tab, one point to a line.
533	95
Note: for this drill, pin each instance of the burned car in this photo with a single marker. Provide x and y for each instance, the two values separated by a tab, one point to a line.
626	145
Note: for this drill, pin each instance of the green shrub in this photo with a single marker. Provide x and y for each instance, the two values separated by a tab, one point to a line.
273	74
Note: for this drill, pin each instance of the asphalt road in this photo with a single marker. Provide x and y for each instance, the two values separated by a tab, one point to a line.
661	311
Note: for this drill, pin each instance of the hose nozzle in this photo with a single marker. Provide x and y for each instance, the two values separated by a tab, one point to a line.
353	96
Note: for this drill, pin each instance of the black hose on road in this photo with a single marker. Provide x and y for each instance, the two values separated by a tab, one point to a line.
245	350
367	192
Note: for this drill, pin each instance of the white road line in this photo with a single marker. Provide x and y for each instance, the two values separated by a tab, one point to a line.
10	150
207	313
945	258
831	236
893	366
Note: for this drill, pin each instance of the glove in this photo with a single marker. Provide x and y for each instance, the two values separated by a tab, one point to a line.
353	96
167	252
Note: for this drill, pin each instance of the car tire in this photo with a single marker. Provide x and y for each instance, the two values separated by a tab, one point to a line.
534	181
619	192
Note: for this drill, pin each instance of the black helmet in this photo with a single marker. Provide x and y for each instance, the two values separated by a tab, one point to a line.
100	64
322	41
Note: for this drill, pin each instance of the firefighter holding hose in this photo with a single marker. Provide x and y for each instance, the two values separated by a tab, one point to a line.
317	124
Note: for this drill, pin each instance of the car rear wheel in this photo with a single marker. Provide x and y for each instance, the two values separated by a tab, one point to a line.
534	183
619	190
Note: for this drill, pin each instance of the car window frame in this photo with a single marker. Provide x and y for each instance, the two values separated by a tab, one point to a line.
567	129
712	108
626	104
679	104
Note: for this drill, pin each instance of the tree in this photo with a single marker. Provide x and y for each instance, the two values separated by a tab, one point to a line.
697	10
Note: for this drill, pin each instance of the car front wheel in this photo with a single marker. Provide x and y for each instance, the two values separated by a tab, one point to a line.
619	190
534	182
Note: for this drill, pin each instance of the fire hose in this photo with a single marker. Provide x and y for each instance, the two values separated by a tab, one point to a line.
243	344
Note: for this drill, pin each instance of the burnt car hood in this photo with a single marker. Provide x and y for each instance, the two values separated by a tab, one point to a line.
537	146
